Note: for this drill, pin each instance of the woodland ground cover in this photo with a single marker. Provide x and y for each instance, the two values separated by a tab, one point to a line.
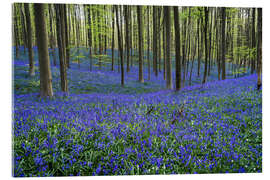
100	128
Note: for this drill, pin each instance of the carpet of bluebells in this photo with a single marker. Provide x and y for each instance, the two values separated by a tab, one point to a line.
100	128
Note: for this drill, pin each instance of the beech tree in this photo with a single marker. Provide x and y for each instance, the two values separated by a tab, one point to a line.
140	42
167	18
61	39
43	53
29	40
177	50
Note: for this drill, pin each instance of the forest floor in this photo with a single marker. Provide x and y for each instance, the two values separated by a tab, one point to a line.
100	128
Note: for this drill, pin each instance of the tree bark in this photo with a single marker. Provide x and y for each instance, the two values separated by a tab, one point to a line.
90	37
223	19
155	40
205	41
112	66
259	49
29	40
119	28
43	53
61	35
177	50
127	34
140	42
148	42
168	48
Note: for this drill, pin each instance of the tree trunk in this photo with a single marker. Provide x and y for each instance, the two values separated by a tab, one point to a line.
90	37
167	19
140	42
223	42
61	39
29	40
205	42
159	39
177	50
259	49
66	36
253	40
112	67
148	42
164	49
43	53
127	34
52	38
155	40
16	33
99	40
119	28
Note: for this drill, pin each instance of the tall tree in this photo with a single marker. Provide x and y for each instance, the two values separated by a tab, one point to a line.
126	15
253	39
61	39
206	46
29	40
16	32
223	20
65	21
90	37
52	38
24	31
148	42
140	42
167	19
99	38
177	49
113	25
155	37
43	53
259	48
120	45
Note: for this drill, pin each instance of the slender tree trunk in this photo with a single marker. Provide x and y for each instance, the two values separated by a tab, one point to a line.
148	42
177	49
155	40
199	50
100	40
140	42
127	35
159	39
184	51
29	40
205	41
105	34
210	44
130	37
119	28
164	50
223	19
52	38
61	35
16	33
66	36
193	54
43	53
112	67
218	43
24	31
167	19
253	40
90	37
259	48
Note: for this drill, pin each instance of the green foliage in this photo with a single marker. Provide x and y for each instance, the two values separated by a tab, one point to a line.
239	71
